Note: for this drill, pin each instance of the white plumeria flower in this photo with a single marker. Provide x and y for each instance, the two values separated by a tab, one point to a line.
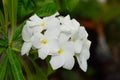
26	35
60	37
68	27
81	45
79	38
31	28
45	44
84	55
82	33
26	48
64	57
38	24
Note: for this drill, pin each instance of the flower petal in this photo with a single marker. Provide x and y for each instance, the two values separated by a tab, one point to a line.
52	33
84	55
56	62
42	53
69	62
26	48
56	14
53	46
26	34
50	22
75	23
64	36
37	29
78	46
68	48
85	50
82	63
82	33
67	17
35	18
36	40
32	24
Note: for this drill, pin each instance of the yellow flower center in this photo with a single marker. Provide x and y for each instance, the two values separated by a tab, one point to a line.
73	39
60	51
42	24
44	41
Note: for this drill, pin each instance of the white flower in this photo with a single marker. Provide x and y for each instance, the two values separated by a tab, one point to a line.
38	24
45	44
68	27
26	48
81	44
60	37
26	35
79	38
84	55
64	56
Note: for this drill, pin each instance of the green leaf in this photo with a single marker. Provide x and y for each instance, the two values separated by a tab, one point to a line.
9	74
15	65
18	32
39	71
70	4
12	12
3	42
1	18
1	50
47	10
49	68
25	2
6	23
110	13
3	24
24	10
3	67
26	67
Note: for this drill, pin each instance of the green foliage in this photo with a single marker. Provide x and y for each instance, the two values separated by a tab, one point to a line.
1	18
2	23
110	13
15	65
39	71
1	50
67	5
3	68
47	10
18	32
3	42
3	45
90	10
71	76
26	8
30	75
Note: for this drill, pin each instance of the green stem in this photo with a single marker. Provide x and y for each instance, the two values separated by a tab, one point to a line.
12	34
12	31
6	18
13	18
16	50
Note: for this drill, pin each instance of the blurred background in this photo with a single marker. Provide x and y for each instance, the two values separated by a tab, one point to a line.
101	19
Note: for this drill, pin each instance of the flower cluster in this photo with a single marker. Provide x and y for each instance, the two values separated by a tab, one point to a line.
60	37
